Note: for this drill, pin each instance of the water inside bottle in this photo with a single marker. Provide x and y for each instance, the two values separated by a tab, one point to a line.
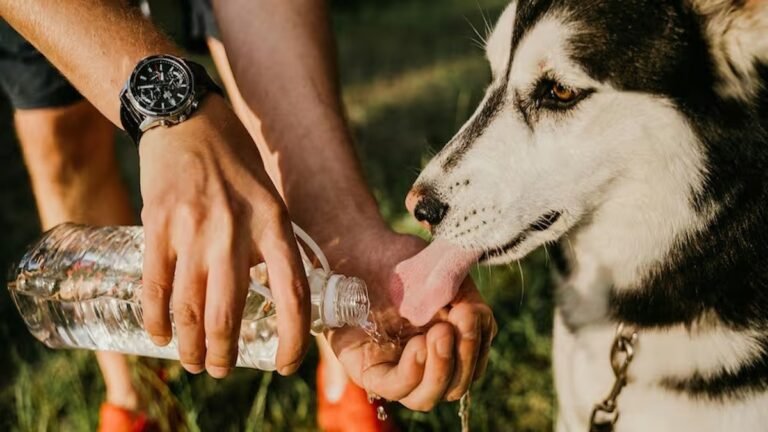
110	323
79	287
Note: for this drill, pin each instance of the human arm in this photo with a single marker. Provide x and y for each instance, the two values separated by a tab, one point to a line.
282	57
210	209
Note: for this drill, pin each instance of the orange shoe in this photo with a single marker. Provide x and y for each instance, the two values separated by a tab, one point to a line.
351	413
113	418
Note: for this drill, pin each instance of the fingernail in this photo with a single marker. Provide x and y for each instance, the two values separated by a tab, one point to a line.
193	368
218	371
445	347
160	340
289	369
421	357
453	397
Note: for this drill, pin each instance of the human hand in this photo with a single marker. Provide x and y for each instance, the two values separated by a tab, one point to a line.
438	364
210	213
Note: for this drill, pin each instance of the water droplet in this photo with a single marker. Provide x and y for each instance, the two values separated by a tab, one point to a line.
372	397
381	414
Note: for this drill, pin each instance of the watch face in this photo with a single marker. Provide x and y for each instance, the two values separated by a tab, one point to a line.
161	85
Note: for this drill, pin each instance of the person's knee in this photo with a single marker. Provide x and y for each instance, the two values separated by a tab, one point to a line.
62	144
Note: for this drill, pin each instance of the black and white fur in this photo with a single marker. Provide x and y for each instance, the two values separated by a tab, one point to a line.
655	185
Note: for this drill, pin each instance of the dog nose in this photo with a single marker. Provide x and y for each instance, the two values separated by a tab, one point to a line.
426	207
414	195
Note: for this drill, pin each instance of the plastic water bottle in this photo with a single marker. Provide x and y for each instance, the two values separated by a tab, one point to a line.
79	287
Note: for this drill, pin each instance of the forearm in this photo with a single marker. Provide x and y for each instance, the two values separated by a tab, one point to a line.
94	43
282	55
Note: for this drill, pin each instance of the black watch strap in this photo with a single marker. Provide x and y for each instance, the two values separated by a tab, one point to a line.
203	82
131	119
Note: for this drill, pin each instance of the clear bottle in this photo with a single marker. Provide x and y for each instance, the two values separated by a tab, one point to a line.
79	287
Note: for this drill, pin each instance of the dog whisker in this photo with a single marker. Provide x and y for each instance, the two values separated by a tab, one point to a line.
489	268
486	20
482	42
522	282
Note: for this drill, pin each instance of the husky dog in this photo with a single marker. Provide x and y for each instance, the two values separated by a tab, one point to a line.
635	134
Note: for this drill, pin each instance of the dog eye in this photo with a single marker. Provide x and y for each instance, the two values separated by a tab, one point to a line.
562	93
553	95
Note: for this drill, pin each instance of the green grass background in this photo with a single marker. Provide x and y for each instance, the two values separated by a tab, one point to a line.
412	73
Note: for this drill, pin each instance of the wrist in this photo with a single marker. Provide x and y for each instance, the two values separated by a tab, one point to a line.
340	219
331	215
206	121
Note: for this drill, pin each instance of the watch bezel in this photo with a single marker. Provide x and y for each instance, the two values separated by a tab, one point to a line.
182	107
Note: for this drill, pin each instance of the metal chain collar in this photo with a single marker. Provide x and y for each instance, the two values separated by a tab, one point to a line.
606	413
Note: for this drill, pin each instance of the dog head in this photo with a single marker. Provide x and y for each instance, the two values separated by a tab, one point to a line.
587	119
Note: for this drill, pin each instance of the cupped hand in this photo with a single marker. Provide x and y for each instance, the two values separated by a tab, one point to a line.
438	363
210	213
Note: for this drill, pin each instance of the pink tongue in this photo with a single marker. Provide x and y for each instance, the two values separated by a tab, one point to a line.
430	280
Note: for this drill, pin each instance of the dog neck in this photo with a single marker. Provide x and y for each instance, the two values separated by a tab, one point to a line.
668	246
621	244
636	222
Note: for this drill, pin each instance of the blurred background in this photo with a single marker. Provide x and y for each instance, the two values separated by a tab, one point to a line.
412	72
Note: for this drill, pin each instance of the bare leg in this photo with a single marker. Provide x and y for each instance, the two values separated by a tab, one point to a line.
69	152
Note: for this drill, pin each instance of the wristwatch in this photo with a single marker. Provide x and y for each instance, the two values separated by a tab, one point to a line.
163	90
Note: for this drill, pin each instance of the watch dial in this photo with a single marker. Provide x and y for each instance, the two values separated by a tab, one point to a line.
161	86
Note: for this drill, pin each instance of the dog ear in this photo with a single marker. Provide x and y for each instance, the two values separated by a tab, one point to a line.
498	45
737	31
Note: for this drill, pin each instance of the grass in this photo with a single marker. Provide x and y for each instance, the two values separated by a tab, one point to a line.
412	74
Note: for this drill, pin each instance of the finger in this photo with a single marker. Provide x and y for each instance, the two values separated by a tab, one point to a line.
289	287
157	283
438	371
468	294
489	333
225	301
468	331
394	378
189	312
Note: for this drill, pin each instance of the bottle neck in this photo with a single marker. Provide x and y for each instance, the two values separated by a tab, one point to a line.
344	302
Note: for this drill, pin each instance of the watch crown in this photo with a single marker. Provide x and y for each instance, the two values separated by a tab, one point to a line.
163	123
182	118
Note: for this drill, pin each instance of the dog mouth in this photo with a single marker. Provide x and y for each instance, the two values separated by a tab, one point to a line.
541	224
431	279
